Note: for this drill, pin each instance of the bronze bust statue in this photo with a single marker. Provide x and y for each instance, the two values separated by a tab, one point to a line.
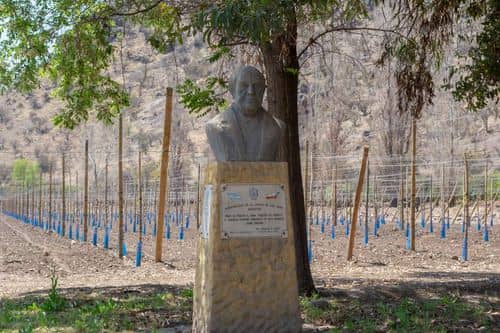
246	131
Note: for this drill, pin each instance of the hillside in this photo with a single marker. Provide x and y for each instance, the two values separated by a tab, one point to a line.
345	102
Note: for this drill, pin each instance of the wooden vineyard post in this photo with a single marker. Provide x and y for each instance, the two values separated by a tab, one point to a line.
76	206
366	199
310	185
413	183
140	197
86	193
120	186
443	208
306	181
334	195
375	200
63	193
457	213
20	189
32	202
492	198
40	199
16	203
430	204
357	199
486	195
136	190
19	201
28	200
466	209
198	199
106	215
163	173
50	195
401	196
407	200
349	200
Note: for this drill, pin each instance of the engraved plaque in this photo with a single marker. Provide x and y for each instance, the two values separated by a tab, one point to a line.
253	210
207	206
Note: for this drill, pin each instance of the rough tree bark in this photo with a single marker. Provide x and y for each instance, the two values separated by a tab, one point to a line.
282	68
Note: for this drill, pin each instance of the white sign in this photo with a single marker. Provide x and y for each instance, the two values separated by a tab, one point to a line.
206	213
253	210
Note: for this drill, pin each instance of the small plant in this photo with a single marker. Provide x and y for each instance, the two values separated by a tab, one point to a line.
316	309
187	293
54	302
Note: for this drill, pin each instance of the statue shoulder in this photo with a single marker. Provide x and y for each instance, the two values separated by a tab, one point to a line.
219	122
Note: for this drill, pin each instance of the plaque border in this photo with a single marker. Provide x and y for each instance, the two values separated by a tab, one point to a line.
224	235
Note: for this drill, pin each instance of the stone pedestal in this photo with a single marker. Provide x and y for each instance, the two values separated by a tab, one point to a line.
244	284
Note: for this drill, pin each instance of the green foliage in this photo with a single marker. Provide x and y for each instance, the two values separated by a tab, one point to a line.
218	53
187	293
67	42
258	22
54	301
448	313
25	172
479	80
314	313
201	100
95	314
165	22
73	43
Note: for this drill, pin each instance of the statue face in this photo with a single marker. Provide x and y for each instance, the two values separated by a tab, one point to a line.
249	91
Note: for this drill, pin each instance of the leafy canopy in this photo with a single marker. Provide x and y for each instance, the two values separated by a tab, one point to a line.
479	79
74	42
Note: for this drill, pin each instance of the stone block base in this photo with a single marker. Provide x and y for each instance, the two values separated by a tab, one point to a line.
245	284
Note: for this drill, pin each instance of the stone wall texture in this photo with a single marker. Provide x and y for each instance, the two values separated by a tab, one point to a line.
245	284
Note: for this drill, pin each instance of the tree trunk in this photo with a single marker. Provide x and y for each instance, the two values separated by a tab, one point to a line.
282	68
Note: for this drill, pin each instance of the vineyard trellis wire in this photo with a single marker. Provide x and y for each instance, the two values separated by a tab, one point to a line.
439	184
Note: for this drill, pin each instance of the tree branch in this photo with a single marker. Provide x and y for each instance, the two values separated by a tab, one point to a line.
313	40
138	11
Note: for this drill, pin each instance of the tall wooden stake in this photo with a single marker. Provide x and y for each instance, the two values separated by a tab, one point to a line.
334	196
443	206
86	193
120	186
33	201
367	194
430	202
401	196
106	210
50	196
198	199
413	182
466	205
40	199
63	191
357	199
140	197
306	181
163	173
486	194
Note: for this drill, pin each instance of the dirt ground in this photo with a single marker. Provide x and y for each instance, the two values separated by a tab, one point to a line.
383	267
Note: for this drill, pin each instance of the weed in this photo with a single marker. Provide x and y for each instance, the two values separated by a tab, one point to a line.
187	293
54	302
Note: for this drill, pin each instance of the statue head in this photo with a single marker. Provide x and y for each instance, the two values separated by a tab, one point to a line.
247	88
